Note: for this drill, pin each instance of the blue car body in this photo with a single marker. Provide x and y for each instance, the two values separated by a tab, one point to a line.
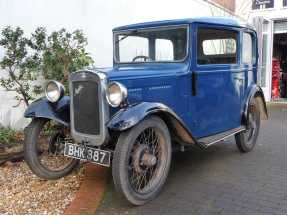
203	100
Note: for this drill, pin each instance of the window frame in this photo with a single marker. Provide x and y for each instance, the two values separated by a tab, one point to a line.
187	26
218	27
253	61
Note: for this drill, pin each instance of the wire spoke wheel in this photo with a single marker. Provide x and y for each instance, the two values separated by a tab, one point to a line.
44	149
141	161
252	128
246	140
51	144
146	160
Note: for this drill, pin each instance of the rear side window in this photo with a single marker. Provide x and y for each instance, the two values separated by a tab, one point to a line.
247	49
216	46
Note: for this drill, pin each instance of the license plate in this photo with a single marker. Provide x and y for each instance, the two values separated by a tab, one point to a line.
93	155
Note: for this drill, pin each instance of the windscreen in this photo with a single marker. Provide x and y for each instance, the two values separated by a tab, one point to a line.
151	45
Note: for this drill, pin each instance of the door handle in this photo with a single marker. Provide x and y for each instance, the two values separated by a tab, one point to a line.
193	83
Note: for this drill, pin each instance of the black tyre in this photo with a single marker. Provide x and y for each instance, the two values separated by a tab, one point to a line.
246	140
44	149
142	160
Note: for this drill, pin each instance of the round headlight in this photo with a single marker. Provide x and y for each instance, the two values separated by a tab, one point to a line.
54	91
116	94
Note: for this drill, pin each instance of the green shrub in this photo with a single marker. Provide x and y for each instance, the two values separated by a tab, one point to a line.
20	65
53	56
62	52
8	136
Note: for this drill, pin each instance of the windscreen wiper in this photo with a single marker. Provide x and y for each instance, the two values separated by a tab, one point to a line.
127	35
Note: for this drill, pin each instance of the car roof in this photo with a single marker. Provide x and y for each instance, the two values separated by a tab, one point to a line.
207	20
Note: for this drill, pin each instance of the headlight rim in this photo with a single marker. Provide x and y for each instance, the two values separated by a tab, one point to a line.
60	88
123	92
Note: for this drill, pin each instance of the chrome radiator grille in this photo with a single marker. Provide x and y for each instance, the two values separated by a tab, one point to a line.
88	107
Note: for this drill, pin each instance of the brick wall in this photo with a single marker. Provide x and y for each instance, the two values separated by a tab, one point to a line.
229	4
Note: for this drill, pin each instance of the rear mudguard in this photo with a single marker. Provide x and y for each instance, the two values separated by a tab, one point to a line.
130	116
257	92
42	108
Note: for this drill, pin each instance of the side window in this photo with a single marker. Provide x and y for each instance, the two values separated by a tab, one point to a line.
216	46
163	50
247	49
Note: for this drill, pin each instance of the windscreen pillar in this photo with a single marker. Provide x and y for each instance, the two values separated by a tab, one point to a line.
151	48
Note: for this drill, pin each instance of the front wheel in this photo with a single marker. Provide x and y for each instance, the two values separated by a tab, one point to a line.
141	161
246	140
44	149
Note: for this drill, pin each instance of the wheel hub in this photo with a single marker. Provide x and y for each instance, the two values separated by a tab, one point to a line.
148	159
56	144
143	158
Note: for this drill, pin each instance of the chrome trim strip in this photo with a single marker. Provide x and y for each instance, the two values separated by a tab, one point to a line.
229	135
94	140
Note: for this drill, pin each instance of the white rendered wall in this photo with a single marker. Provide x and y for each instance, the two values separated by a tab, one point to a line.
96	18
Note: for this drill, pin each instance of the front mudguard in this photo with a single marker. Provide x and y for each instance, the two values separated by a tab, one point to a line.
131	115
42	108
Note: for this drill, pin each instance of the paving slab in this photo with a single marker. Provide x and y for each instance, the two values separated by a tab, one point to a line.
221	180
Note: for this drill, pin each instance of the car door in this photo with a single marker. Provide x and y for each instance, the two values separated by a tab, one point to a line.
217	80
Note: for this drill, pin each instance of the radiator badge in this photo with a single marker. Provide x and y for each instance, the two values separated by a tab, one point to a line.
84	75
78	89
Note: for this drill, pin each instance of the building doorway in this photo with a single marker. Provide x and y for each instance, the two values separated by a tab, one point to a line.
279	67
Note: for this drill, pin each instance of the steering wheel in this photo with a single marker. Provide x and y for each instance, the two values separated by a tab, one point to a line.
141	56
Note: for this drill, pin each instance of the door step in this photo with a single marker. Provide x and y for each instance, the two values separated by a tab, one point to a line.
210	140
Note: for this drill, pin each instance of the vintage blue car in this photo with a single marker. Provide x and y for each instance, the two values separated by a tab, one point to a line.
174	84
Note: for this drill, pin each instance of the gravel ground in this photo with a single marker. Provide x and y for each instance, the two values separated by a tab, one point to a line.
21	192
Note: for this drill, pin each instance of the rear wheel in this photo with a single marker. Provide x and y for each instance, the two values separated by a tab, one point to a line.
246	140
141	161
44	149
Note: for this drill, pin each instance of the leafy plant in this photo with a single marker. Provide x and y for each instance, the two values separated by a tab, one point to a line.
54	56
8	135
62	52
20	64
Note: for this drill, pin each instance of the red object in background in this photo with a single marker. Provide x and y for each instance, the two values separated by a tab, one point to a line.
276	74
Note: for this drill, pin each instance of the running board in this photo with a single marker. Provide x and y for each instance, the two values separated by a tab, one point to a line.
210	140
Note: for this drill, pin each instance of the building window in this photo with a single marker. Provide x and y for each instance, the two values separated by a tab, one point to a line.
284	3
263	4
